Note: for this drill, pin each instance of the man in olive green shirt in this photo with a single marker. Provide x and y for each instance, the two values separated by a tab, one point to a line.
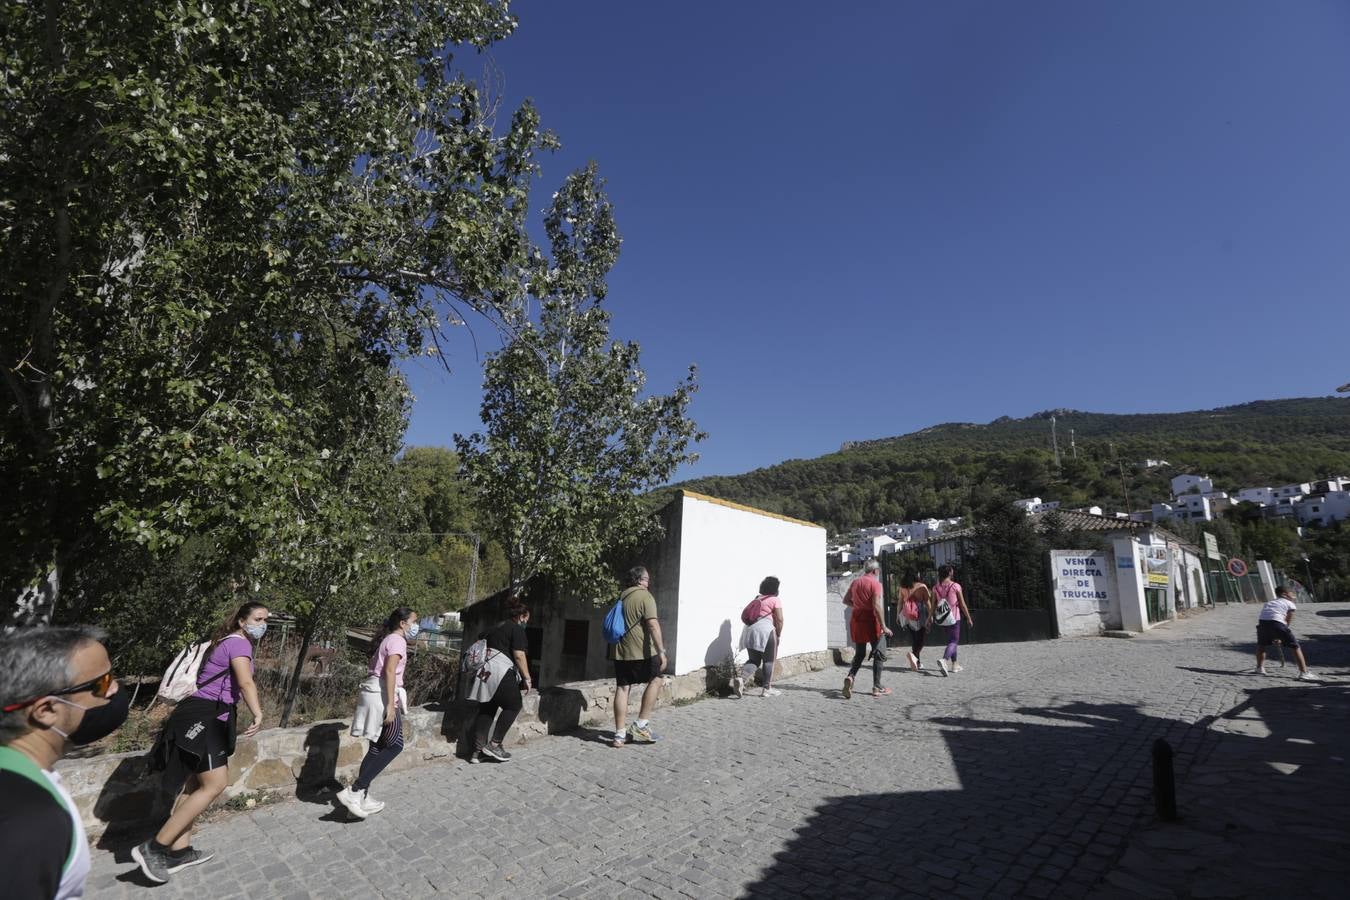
639	658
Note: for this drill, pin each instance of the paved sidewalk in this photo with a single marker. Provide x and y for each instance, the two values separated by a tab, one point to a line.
1025	775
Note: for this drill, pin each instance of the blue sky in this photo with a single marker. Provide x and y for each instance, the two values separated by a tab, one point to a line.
863	219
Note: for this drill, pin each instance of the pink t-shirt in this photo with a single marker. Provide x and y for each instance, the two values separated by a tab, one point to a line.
949	592
391	645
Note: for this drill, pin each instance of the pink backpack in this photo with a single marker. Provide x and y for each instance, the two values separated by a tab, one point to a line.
753	612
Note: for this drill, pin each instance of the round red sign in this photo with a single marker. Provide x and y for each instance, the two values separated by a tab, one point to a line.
1237	567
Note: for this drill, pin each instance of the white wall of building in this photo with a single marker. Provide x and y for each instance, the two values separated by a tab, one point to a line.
1183	483
715	585
1323	509
1263	496
1086	601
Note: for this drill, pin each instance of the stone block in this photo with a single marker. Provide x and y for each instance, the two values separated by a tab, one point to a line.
270	773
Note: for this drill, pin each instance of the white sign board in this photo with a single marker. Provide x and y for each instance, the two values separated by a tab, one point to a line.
1085	591
1212	546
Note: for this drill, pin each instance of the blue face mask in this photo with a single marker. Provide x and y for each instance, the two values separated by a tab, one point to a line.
256	631
413	629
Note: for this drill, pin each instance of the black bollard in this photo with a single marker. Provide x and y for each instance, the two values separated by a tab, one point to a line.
1164	782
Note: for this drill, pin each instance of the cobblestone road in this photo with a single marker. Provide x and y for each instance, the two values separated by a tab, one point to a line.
1025	775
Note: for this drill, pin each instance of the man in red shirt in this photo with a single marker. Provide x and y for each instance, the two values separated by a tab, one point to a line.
867	624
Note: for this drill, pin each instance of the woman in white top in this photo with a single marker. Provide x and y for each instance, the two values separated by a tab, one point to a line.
379	709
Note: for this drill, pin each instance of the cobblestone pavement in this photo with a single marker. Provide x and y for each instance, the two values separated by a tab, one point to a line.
1025	775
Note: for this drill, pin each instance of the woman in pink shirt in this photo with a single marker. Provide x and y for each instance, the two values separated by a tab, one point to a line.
949	608
379	709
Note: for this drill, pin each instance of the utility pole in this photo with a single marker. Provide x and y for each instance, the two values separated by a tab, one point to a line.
1054	440
1073	444
1124	488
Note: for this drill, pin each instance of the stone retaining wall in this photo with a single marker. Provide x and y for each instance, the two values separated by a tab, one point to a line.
119	792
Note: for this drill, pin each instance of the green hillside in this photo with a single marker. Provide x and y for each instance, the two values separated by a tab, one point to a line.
950	469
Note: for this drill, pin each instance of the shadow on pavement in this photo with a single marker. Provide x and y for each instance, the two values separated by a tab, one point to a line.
1059	802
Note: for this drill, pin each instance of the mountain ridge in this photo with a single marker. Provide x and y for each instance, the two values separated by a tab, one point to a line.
948	468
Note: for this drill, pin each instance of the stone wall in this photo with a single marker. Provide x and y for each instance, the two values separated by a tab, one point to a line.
118	791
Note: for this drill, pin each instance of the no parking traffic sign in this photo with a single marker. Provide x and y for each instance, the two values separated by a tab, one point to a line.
1236	567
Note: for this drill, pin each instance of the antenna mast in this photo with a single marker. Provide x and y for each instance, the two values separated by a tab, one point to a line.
1054	440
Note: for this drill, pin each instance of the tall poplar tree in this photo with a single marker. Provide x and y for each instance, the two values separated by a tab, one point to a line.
570	438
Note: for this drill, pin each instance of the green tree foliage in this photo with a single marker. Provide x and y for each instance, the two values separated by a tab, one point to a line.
441	542
220	224
570	441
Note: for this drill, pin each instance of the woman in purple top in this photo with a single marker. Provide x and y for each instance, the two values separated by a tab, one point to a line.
198	739
380	705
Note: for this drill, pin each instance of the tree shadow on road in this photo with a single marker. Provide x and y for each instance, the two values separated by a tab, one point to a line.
1049	800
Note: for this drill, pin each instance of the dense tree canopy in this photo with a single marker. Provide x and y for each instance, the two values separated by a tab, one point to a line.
220	223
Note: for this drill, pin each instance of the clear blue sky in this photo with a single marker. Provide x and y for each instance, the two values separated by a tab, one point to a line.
863	219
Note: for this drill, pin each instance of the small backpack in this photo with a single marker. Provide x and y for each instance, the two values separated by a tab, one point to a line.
473	658
180	678
942	615
753	612
910	608
614	629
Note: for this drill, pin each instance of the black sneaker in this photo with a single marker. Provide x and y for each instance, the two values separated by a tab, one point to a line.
189	856
154	862
496	751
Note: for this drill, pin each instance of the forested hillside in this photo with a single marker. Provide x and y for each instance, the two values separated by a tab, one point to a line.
947	469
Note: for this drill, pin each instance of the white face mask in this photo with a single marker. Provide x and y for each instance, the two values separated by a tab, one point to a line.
413	629
256	631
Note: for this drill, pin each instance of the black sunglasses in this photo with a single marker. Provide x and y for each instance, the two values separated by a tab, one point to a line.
99	687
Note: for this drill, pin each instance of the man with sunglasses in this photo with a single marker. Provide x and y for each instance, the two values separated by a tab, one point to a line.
57	689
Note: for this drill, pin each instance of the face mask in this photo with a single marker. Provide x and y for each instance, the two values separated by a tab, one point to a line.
256	631
413	630
98	721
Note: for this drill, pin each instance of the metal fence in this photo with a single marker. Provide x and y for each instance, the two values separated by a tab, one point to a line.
1007	587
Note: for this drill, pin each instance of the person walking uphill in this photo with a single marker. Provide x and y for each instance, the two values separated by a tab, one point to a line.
867	625
639	658
380	705
198	738
916	606
56	690
507	672
1273	625
949	609
763	618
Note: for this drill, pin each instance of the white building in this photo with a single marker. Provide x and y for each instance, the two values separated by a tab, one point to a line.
873	546
698	598
1031	505
1154	463
1323	509
1261	496
1292	491
1201	484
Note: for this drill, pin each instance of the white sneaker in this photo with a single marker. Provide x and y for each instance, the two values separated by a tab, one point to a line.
370	804
957	667
942	666
1307	675
352	801
913	661
1260	670
771	692
738	687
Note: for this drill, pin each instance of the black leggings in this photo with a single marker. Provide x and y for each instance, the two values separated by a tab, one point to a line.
378	758
917	636
508	700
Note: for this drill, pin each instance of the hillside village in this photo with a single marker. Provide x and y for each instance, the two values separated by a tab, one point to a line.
1194	498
